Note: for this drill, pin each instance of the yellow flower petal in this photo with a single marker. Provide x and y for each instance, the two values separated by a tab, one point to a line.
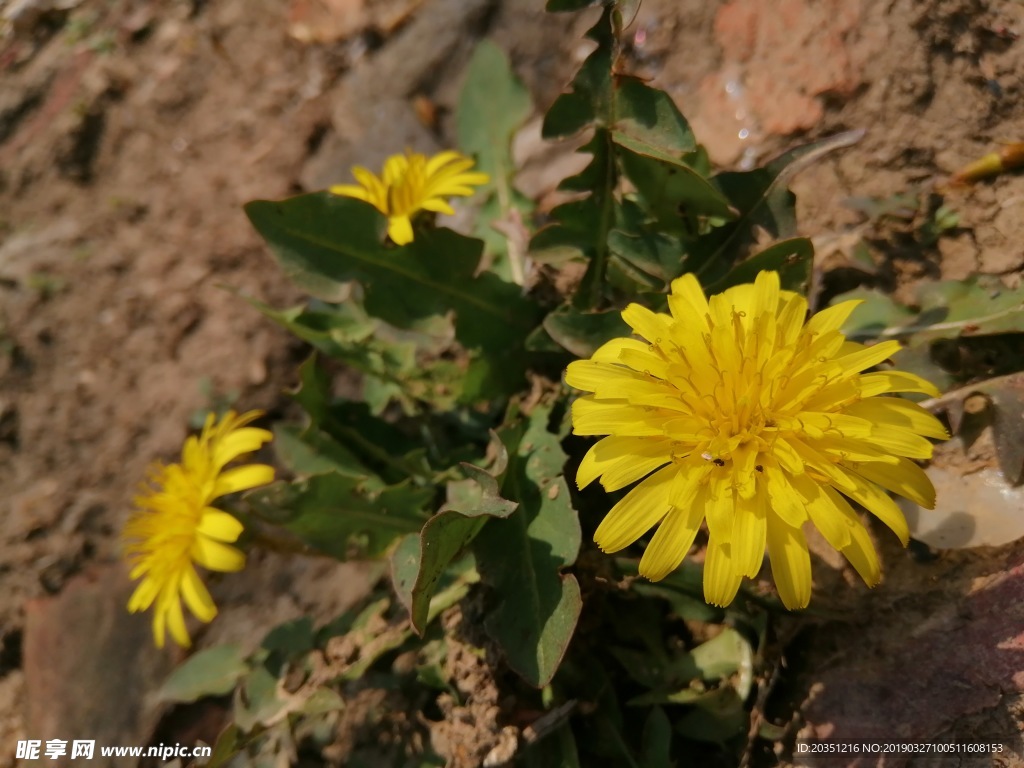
791	563
721	503
833	318
856	362
765	296
176	622
745	458
640	510
883	382
875	501
219	525
905	478
852	450
652	326
143	596
860	551
591	376
438	205
396	167
686	292
453	188
350	190
748	534
785	501
436	163
901	442
243	478
721	577
238	443
646	359
822	464
822	509
196	596
673	539
159	626
791	321
216	555
594	417
899	414
610	351
400	230
637	464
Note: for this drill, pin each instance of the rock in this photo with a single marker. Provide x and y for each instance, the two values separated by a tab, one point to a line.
90	666
779	60
959	256
373	115
1003	251
950	650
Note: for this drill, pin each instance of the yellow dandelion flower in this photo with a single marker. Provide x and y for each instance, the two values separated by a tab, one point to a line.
736	412
173	525
412	183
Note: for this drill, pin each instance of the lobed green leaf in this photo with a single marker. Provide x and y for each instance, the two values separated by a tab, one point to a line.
210	672
493	104
324	241
521	556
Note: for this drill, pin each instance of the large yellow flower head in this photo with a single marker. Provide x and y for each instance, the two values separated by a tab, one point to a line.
412	183
757	422
173	526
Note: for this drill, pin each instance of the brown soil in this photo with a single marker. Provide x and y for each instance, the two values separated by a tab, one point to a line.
131	133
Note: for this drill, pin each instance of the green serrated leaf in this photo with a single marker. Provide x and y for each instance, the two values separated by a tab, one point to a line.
390	359
791	258
324	241
664	696
766	208
451	586
725	654
655	254
419	561
288	641
493	104
256	700
306	452
589	103
878	314
583	332
521	557
647	121
657	740
229	743
557	750
211	672
676	195
314	391
321	701
978	306
470	504
341	517
718	717
653	668
587	100
405	565
350	429
689	606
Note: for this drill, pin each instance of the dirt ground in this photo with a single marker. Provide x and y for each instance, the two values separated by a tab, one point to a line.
131	133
